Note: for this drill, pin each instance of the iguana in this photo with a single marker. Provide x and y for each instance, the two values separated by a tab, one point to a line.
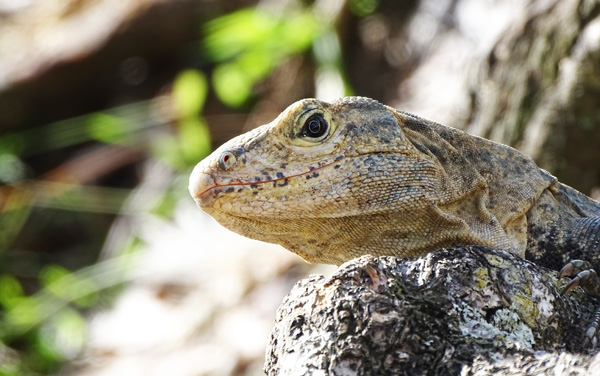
333	181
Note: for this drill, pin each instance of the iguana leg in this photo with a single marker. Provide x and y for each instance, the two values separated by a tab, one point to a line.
587	279
590	333
586	234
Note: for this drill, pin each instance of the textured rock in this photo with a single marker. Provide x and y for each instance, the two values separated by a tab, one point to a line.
473	310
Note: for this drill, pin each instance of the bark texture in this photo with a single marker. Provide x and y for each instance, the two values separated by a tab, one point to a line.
539	89
470	311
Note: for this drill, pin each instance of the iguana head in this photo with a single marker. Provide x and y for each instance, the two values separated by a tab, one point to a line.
296	156
333	181
313	175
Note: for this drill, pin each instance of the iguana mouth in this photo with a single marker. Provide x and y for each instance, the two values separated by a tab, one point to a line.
204	190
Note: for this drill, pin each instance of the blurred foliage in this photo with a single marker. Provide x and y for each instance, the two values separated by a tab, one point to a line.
363	8
39	331
249	43
192	140
42	309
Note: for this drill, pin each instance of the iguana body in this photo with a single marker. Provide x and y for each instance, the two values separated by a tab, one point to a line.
333	181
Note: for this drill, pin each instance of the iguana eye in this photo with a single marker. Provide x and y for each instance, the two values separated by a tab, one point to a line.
315	127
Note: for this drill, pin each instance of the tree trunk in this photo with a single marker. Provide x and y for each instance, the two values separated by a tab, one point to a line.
539	90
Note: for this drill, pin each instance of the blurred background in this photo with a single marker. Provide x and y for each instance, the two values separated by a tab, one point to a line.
106	265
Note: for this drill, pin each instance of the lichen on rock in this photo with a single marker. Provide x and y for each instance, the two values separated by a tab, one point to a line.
452	311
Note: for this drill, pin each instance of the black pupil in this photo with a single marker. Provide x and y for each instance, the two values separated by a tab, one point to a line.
315	126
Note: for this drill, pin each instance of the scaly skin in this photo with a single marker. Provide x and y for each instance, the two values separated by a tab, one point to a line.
334	181
366	178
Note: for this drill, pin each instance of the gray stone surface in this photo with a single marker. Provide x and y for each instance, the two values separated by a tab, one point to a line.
472	311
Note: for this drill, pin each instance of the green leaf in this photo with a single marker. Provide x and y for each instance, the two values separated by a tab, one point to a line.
299	32
194	140
189	146
232	84
249	44
107	128
65	334
52	273
11	292
189	93
68	286
166	148
232	34
363	8
27	313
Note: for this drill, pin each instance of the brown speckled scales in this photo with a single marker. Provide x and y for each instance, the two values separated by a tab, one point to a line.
333	181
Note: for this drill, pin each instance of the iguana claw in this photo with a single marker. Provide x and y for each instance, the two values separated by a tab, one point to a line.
574	267
587	279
